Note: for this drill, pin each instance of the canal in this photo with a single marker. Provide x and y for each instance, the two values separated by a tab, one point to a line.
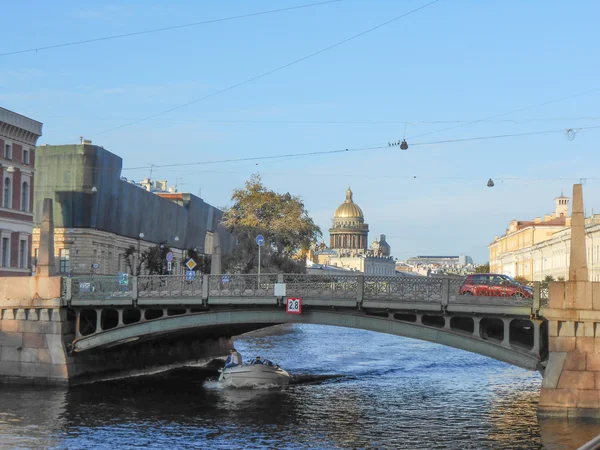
392	392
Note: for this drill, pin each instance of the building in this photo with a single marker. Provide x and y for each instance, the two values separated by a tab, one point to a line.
440	260
98	215
510	254
18	137
348	250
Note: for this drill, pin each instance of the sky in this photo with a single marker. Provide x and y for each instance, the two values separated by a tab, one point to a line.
454	70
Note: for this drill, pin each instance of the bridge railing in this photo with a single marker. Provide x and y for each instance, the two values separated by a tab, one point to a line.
153	286
322	286
349	288
99	287
241	285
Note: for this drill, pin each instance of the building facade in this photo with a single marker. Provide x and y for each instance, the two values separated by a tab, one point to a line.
99	216
510	254
18	137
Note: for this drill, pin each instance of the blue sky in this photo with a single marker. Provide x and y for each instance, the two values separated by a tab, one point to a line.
456	60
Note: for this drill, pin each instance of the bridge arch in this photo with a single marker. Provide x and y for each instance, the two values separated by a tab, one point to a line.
426	327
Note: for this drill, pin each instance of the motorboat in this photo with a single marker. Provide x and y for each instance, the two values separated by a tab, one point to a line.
255	374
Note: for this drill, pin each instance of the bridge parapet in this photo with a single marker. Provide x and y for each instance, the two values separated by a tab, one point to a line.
409	293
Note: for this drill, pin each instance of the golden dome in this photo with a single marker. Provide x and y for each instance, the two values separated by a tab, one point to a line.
348	209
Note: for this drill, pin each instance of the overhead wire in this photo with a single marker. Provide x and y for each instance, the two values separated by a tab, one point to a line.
272	71
509	112
174	27
357	149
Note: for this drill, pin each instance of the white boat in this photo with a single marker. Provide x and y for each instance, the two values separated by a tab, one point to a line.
250	375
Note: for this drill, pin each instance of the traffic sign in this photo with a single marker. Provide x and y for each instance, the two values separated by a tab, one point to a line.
95	265
170	256
191	264
123	278
190	275
260	240
169	266
224	279
293	305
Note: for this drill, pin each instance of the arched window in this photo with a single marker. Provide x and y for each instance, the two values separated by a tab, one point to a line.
25	197
7	193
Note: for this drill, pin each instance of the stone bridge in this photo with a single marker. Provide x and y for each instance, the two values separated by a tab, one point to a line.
111	311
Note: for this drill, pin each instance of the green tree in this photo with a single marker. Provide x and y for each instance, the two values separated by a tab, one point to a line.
202	261
283	221
155	259
483	268
549	278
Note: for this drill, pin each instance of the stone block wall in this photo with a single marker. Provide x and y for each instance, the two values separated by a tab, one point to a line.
32	347
571	384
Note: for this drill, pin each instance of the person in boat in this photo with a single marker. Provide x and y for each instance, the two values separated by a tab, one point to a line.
234	359
257	360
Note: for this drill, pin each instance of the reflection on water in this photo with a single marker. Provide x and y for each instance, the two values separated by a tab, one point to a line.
395	393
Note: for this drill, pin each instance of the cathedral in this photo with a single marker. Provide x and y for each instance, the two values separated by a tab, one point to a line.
349	245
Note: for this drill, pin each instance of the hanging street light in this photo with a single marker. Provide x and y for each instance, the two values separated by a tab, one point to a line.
490	183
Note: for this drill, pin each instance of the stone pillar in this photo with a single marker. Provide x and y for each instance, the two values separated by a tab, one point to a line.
571	384
46	265
578	265
215	265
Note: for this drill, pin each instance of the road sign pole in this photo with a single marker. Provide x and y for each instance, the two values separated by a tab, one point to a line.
259	266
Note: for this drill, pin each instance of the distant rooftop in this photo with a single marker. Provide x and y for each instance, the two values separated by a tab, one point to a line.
20	121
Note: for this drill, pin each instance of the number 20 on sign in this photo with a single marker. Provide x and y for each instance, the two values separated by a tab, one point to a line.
293	306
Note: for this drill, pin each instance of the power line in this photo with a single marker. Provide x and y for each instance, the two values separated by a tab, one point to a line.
509	112
269	72
348	122
358	149
174	27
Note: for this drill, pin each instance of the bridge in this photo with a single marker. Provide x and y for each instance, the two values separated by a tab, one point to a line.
111	311
70	330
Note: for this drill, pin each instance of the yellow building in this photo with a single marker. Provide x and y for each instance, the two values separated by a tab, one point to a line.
508	253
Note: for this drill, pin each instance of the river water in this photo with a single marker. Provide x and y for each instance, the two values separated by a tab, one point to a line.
394	393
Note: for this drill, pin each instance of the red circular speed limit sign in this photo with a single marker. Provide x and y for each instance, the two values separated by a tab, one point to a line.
293	305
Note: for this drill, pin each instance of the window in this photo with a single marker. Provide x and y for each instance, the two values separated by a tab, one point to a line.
25	197
5	252
25	156
8	151
64	260
23	254
7	193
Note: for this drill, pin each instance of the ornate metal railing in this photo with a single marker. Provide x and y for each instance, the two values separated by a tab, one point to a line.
411	289
238	285
321	286
169	286
446	291
100	287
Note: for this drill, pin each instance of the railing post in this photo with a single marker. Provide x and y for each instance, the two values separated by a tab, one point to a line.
445	293
68	288
360	290
535	306
205	288
134	288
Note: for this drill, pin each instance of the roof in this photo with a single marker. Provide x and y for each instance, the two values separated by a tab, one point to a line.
556	222
349	209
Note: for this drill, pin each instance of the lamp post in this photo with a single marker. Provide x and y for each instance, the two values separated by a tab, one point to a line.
140	237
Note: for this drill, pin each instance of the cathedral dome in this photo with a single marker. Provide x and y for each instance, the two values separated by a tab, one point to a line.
348	209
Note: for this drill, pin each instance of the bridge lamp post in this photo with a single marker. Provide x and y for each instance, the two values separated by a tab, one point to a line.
140	237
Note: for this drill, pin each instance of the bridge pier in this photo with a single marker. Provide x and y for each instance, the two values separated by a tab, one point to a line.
571	384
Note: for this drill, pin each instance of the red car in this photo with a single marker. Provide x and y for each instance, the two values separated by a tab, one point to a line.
494	285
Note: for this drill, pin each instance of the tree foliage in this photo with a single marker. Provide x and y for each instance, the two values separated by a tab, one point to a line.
203	262
484	268
283	221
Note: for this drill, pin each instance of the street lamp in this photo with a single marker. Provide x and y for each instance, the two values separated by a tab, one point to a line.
140	237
